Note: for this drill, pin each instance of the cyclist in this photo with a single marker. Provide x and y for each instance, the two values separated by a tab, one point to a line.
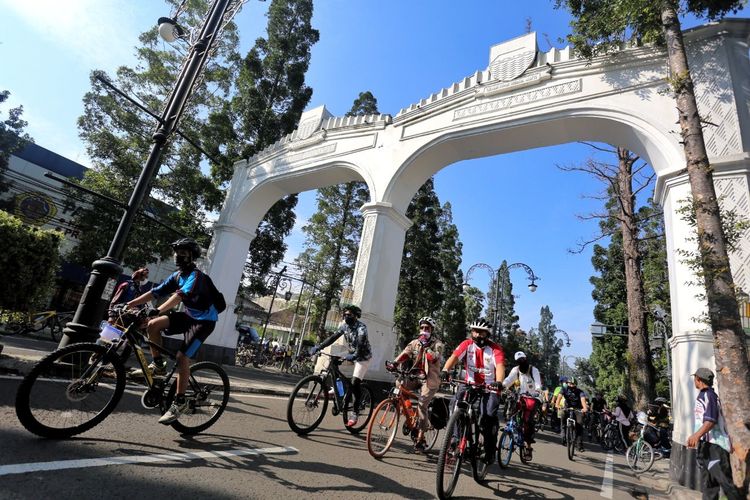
556	402
191	287
658	416
572	398
484	362
624	415
426	355
598	405
530	385
355	334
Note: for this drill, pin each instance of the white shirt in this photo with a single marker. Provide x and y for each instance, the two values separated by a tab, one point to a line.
531	383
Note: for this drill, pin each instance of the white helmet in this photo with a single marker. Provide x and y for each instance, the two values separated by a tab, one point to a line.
427	320
519	355
480	324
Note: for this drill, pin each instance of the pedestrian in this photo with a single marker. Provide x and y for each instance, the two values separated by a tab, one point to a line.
711	439
130	288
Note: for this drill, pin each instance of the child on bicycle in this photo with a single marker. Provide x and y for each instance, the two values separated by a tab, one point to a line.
426	355
485	364
355	333
191	287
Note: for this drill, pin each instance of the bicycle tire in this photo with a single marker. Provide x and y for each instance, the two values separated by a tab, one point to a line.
385	418
570	436
479	467
640	456
607	440
430	437
204	380
311	390
505	449
13	328
365	403
34	400
451	454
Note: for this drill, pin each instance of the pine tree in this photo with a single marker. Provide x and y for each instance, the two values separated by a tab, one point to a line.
550	347
452	313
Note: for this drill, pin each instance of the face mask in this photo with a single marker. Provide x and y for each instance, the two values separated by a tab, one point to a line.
350	320
424	338
524	366
565	385
181	260
143	281
480	341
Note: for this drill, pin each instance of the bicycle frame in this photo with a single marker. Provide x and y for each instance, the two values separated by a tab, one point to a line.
330	374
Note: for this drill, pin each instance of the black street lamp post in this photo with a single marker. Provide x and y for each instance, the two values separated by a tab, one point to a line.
500	289
103	278
278	280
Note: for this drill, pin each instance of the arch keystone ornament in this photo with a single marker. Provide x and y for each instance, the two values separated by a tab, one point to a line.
523	99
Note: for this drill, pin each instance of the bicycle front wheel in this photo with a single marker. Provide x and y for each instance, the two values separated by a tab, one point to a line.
364	410
640	456
430	437
505	449
479	463
452	454
307	405
382	428
207	396
70	391
570	436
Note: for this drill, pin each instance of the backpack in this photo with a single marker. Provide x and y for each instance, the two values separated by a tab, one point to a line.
217	298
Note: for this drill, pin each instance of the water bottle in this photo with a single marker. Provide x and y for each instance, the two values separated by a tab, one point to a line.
339	387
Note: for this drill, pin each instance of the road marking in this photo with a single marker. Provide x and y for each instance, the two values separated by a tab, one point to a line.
608	477
257	396
6	470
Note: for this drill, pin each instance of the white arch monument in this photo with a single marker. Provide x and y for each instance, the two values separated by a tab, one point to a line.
523	99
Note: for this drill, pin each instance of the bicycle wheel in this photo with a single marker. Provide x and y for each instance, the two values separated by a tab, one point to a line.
452	454
478	464
430	437
70	391
55	328
364	410
505	449
207	396
640	456
608	439
570	437
307	405
381	431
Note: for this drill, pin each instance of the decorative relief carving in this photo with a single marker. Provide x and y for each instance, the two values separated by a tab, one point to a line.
509	68
526	81
328	148
734	194
306	128
363	256
569	87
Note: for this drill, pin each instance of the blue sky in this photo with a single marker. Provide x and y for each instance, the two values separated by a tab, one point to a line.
517	207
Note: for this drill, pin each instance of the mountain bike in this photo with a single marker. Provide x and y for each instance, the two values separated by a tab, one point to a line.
511	439
596	426
302	365
22	323
463	440
76	387
641	454
611	439
571	433
383	426
309	399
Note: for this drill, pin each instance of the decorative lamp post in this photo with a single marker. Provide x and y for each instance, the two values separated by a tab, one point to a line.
278	280
500	289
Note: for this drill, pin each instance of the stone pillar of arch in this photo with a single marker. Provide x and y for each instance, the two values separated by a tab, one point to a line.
224	264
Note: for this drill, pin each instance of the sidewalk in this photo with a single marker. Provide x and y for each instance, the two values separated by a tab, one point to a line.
660	486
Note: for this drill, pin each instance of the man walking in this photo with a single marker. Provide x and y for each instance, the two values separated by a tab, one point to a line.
711	439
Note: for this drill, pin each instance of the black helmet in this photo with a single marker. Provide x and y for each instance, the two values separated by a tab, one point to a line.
188	244
355	310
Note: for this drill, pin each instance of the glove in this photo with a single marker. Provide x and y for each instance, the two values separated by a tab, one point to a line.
498	386
314	350
152	313
445	376
350	357
389	366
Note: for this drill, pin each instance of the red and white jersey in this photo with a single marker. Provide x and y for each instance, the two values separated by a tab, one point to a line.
480	362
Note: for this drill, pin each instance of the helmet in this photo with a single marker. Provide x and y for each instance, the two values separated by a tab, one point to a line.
572	380
480	324
428	320
622	397
355	310
563	379
519	355
188	244
661	400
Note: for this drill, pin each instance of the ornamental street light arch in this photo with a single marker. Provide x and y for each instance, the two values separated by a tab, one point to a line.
523	99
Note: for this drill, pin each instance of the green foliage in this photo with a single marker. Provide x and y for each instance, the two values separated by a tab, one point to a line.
473	303
28	263
608	362
452	314
12	137
547	357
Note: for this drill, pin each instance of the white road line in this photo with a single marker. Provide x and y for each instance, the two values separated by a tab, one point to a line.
608	477
6	470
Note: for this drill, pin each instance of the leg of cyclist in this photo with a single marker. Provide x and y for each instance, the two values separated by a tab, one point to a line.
579	429
360	369
489	424
425	396
529	406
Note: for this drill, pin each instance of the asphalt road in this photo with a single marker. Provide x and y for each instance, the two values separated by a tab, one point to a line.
251	453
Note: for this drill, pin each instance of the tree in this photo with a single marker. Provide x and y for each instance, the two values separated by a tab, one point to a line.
473	300
452	313
550	346
12	138
270	97
118	137
334	231
597	31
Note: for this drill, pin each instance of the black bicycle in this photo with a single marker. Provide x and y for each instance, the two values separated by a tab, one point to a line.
76	387
463	440
308	401
571	432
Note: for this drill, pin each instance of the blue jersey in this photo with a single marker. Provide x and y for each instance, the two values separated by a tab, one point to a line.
192	287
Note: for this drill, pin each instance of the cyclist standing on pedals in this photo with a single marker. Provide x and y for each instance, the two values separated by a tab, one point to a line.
355	333
485	364
573	399
530	386
426	355
189	286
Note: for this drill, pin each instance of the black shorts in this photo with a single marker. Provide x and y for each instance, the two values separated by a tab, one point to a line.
195	331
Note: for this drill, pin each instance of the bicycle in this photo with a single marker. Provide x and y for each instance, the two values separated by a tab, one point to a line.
596	427
463	440
308	401
383	426
571	433
511	439
303	365
93	377
611	439
641	454
23	323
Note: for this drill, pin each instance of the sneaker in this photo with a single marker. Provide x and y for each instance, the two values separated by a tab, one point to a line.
353	417
420	446
155	369
173	413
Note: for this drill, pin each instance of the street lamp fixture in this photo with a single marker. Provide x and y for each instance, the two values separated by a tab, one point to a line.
169	30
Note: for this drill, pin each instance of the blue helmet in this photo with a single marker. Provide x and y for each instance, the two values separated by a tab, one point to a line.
563	379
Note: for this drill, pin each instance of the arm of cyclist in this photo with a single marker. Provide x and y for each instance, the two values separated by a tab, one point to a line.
511	378
584	404
330	340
